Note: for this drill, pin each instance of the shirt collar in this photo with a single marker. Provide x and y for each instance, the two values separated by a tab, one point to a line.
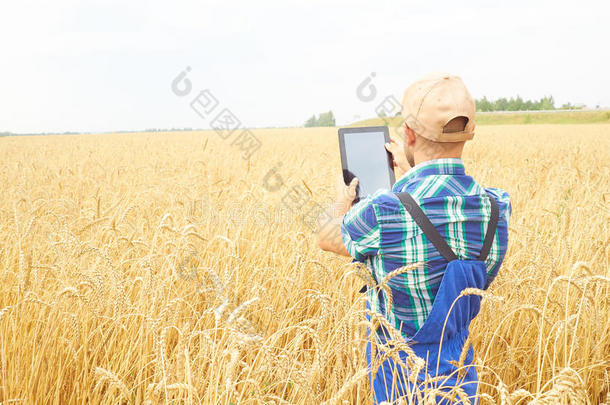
434	167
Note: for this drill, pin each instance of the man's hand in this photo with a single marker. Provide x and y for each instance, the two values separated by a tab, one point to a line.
329	223
345	195
397	148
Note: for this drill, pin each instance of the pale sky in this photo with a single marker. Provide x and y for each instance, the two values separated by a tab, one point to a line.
77	65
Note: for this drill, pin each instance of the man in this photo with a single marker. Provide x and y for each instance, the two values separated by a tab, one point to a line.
435	216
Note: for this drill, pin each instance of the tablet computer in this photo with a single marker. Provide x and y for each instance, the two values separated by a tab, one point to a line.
363	155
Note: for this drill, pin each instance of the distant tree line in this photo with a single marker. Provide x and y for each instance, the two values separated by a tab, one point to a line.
515	104
40	133
326	119
519	104
166	130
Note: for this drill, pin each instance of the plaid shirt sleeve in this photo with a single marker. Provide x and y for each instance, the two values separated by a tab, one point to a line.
501	239
360	230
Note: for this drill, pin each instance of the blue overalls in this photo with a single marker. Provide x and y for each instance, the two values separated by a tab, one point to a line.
441	338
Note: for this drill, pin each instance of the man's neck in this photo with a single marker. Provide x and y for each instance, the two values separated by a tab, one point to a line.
422	157
428	150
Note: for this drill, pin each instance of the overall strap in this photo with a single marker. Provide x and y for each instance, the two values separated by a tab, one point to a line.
426	226
436	238
491	229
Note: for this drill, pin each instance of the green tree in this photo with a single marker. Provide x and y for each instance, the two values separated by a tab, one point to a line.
311	122
484	104
547	103
517	104
501	104
326	119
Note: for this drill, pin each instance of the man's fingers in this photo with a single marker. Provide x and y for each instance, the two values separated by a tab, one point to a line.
389	148
346	192
352	186
351	189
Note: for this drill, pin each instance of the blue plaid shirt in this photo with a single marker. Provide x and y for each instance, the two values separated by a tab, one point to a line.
380	233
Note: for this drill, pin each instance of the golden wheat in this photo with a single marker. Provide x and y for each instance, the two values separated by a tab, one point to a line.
163	268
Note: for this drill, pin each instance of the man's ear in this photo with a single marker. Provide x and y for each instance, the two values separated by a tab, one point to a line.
409	136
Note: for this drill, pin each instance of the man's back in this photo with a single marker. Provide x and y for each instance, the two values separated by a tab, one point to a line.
379	232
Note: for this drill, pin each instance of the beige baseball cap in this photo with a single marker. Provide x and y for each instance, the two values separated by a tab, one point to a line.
434	100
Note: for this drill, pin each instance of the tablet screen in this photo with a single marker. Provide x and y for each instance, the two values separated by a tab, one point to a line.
367	159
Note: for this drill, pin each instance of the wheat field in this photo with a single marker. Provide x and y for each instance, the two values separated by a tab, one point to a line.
164	268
